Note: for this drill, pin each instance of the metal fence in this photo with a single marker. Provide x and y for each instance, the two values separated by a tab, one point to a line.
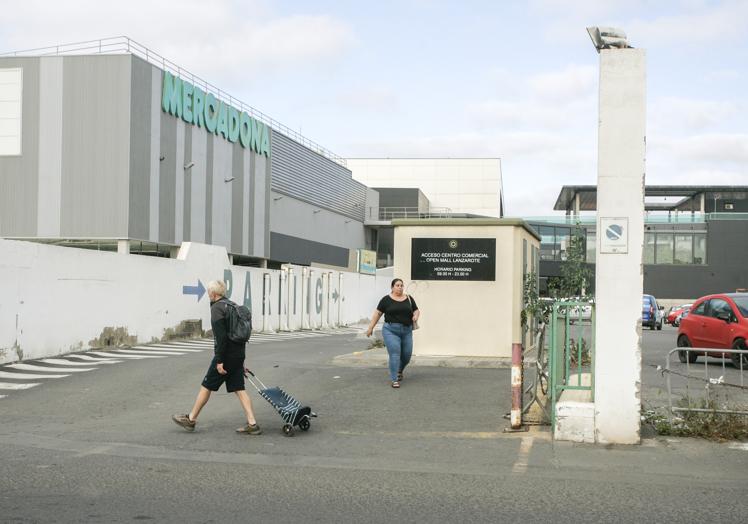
571	350
390	213
122	45
716	385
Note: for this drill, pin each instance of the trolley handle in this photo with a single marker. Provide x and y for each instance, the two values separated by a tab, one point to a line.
247	373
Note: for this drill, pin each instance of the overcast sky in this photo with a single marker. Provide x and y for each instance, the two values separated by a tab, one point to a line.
423	78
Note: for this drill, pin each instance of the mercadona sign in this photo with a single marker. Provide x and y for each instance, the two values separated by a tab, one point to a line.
193	105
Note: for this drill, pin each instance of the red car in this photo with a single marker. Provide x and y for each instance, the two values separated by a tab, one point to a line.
674	312
716	321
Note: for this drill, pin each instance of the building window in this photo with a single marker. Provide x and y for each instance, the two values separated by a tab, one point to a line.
674	248
699	248
649	248
683	249
664	248
547	243
591	246
554	242
563	236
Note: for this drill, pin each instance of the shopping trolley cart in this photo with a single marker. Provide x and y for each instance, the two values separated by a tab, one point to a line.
290	409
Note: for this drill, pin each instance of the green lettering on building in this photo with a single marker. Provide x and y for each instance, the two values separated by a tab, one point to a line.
193	105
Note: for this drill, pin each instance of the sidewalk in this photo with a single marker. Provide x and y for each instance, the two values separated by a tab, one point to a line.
377	357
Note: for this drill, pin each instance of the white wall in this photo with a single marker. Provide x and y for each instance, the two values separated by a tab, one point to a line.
56	300
464	185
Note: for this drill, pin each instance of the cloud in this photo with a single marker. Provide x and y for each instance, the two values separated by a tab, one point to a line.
686	22
714	151
677	114
557	100
219	40
376	99
574	82
702	23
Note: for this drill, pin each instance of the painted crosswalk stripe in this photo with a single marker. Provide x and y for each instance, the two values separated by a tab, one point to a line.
134	357
63	362
31	367
145	352
190	343
28	376
168	348
95	360
3	396
27	385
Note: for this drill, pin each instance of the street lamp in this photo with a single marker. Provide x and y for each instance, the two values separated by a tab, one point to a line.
607	37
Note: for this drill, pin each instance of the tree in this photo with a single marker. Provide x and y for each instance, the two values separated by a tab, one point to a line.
575	273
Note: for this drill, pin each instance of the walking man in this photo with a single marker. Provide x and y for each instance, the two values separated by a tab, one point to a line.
226	367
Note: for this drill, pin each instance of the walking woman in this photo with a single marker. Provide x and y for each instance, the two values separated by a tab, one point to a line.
400	313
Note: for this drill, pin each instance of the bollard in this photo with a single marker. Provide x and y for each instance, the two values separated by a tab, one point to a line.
516	413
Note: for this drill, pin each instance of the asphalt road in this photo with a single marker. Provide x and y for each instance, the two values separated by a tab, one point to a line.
99	446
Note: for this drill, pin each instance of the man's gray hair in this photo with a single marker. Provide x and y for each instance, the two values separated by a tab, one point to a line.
217	287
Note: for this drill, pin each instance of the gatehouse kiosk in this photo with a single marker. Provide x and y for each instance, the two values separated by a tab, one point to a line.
467	277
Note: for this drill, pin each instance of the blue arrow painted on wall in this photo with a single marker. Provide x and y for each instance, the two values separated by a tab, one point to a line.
198	290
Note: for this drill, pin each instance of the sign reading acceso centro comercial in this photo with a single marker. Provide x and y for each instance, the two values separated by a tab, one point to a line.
193	105
453	259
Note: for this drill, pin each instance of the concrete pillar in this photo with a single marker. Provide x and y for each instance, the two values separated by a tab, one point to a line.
123	247
267	324
620	234
305	299
325	309
340	299
283	299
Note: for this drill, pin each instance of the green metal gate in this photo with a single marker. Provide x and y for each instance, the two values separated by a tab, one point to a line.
571	351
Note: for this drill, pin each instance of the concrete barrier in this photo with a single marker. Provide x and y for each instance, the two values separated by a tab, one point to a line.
57	300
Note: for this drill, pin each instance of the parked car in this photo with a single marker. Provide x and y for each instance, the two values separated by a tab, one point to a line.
719	322
674	312
652	313
683	313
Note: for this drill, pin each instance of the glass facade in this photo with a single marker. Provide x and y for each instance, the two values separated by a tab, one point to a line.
660	247
554	242
684	247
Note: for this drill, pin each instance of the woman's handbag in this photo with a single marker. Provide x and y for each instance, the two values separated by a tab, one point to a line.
415	322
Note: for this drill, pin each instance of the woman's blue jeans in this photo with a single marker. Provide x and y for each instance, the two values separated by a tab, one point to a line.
399	341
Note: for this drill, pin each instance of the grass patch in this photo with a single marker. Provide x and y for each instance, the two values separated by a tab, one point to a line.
707	425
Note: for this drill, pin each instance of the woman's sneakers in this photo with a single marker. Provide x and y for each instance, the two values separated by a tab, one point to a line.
396	384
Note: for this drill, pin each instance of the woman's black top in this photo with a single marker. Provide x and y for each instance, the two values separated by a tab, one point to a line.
397	312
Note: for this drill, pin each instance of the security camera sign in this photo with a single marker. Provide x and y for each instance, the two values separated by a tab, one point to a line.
453	259
614	235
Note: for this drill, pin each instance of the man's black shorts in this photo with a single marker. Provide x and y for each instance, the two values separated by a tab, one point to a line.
234	379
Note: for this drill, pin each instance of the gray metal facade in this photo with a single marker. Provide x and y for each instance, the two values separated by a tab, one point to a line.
101	159
305	175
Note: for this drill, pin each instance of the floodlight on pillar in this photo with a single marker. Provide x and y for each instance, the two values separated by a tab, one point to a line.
608	37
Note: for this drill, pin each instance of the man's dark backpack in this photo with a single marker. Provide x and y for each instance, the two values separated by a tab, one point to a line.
239	322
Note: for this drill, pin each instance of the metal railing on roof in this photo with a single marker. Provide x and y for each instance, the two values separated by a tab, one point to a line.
125	45
390	213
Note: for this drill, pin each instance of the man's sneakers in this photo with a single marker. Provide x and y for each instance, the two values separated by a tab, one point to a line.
250	429
184	421
189	425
